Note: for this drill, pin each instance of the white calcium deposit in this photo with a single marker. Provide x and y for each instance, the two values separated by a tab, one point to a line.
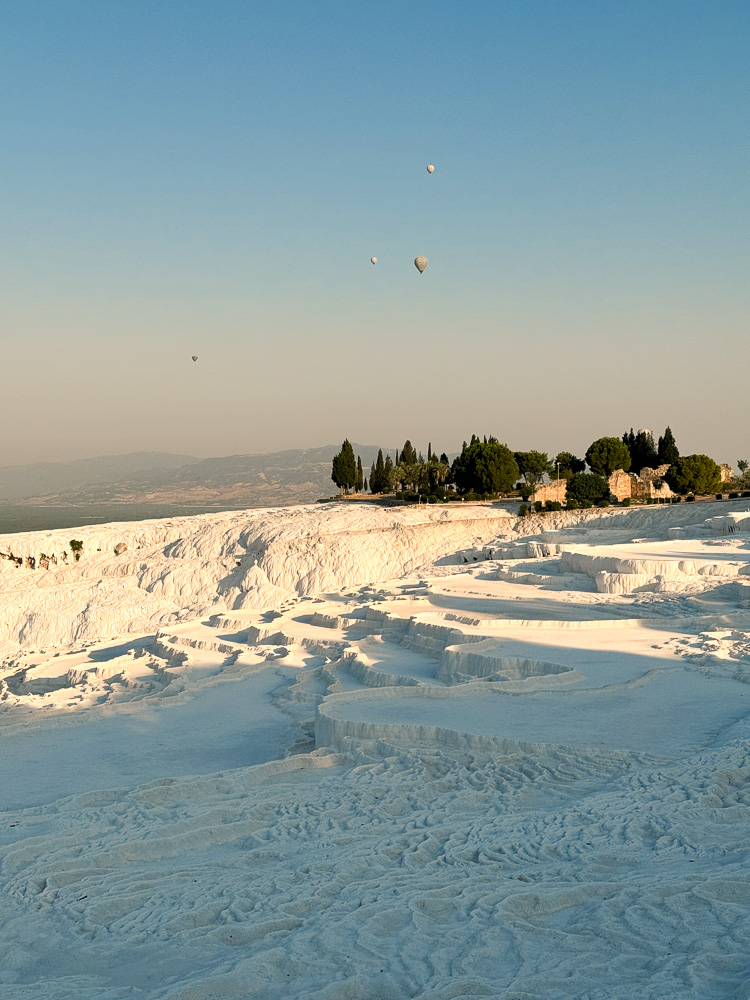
346	752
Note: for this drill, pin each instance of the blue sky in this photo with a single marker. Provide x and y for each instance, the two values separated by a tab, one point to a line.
212	179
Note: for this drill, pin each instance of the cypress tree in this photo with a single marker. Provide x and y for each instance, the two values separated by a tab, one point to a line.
336	469
668	451
348	466
365	486
408	454
429	451
358	484
643	454
387	474
377	476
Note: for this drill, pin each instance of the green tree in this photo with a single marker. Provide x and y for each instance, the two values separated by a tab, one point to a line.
359	482
667	450
389	477
408	454
458	470
607	454
344	468
411	476
365	487
742	464
587	486
643	453
76	547
694	474
488	468
532	465
378	481
567	464
628	439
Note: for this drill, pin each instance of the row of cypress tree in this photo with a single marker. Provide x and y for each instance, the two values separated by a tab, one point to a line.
487	466
644	454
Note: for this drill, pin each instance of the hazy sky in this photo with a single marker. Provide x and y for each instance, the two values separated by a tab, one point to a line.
212	178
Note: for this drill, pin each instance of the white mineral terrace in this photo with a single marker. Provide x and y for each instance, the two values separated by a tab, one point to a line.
348	753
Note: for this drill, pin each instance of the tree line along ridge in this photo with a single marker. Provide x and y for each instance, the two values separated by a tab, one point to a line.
486	468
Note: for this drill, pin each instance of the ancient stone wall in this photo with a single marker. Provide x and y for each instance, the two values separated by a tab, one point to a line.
649	475
627	485
623	485
555	490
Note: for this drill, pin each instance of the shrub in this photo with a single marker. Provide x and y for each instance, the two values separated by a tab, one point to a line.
746	493
690	498
676	499
76	547
603	503
572	504
553	505
625	502
719	496
538	506
585	504
733	496
523	510
587	486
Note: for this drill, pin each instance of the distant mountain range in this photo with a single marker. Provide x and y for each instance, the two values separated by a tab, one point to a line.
276	479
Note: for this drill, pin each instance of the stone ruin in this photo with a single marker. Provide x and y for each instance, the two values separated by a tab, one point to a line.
555	490
649	485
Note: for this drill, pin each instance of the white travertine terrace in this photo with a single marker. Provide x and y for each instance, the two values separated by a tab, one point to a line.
341	752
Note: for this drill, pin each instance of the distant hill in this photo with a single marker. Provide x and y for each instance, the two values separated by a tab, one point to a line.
17	482
276	479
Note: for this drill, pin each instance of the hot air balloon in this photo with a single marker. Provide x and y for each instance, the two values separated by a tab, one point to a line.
373	260
195	357
430	169
420	263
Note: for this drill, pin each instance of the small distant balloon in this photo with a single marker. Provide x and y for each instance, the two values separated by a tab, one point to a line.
195	357
373	260
430	169
420	263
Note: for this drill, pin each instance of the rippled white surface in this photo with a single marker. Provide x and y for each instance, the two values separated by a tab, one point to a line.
383	772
